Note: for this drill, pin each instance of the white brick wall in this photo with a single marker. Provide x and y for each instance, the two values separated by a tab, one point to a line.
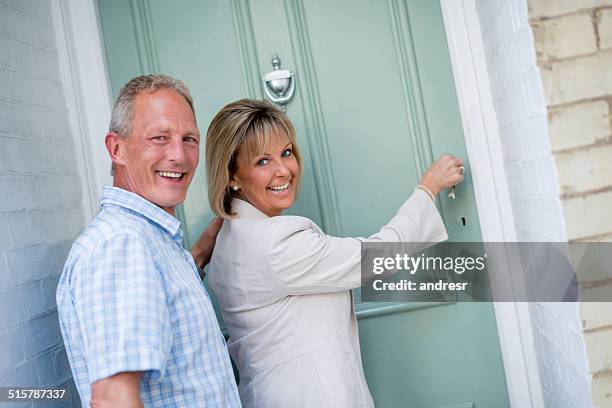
40	197
578	88
520	107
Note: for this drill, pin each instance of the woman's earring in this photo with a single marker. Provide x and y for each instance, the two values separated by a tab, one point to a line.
235	188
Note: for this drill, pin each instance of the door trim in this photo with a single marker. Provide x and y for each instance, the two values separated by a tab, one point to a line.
87	91
483	145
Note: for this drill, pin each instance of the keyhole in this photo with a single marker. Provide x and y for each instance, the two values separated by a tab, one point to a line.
462	221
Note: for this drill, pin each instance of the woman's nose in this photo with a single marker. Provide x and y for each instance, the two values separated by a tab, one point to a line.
282	169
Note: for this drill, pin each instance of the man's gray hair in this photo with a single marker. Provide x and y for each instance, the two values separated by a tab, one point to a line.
123	109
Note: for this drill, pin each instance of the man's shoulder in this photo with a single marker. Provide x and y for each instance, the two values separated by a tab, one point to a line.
111	223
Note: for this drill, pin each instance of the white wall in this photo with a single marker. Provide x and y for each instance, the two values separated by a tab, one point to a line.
533	186
40	196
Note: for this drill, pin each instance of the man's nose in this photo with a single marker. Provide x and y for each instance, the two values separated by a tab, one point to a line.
176	151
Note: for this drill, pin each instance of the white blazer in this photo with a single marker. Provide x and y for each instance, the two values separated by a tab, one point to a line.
284	290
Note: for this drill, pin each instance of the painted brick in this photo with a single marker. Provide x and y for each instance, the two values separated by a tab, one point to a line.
23	57
11	352
24	375
48	288
605	28
32	128
72	194
546	168
11	117
35	158
549	220
49	192
7	56
26	227
596	314
564	37
602	391
33	301
598	350
585	169
9	154
64	157
520	12
51	93
56	254
46	370
17	193
549	8
41	9
36	91
4	83
46	37
587	216
55	126
46	64
5	281
11	305
62	367
23	87
579	125
18	24
535	94
577	79
40	334
26	263
60	225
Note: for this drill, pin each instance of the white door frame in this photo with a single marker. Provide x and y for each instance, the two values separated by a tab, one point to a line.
87	90
483	144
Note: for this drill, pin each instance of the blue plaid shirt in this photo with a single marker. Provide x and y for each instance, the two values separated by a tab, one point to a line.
129	299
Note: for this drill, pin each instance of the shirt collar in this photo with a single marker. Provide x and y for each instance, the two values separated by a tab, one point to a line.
244	209
143	207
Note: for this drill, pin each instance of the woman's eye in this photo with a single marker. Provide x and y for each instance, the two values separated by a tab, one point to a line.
287	153
159	137
262	162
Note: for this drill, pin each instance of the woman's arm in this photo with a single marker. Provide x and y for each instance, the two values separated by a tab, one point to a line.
308	261
202	249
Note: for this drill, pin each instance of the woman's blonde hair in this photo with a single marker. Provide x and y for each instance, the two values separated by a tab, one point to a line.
243	127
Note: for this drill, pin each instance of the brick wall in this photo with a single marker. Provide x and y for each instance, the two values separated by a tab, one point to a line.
40	196
573	41
521	110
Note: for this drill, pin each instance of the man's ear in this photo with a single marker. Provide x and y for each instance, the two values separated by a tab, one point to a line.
115	145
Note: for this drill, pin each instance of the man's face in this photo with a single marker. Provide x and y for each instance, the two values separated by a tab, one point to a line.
158	159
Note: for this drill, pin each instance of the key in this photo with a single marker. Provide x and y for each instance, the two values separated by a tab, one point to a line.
451	193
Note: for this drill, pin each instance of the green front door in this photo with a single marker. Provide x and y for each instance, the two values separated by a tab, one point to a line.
374	105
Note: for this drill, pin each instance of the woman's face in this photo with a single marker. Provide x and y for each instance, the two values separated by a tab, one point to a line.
267	181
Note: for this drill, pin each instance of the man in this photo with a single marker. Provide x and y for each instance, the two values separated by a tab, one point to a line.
138	325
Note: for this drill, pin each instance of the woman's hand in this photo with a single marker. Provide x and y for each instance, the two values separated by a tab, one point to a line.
445	172
202	250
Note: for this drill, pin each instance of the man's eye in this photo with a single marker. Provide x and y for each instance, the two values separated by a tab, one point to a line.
190	139
159	137
287	153
262	162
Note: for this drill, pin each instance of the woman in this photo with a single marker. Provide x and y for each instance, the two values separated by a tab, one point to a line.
283	284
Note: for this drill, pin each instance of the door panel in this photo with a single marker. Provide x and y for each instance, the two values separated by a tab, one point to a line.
374	104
